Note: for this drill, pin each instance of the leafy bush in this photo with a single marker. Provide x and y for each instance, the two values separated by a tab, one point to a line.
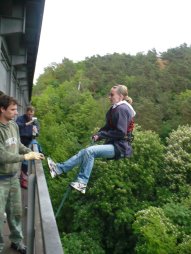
176	174
80	243
155	233
180	215
185	246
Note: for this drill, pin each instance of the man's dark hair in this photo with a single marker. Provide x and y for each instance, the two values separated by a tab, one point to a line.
6	101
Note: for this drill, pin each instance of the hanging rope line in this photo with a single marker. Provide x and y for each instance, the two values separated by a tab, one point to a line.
69	188
66	194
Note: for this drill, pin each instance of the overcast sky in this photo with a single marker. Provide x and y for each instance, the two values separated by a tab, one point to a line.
76	29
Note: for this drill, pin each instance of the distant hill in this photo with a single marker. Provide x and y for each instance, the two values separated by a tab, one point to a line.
159	84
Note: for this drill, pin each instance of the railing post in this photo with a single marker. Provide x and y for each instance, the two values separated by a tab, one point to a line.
31	214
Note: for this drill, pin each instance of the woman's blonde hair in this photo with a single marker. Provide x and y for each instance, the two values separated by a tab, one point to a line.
123	90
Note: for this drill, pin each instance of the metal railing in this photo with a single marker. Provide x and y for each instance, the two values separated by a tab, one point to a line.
42	232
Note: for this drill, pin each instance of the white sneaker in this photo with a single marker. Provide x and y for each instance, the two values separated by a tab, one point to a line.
79	186
53	167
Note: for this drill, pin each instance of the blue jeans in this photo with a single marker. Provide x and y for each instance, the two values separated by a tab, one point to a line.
85	160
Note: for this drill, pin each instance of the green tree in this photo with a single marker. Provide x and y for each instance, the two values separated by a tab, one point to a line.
158	173
176	172
80	243
155	232
117	189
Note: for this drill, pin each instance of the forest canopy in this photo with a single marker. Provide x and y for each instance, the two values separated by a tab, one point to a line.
139	205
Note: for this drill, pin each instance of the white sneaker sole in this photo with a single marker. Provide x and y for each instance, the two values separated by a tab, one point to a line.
83	191
51	168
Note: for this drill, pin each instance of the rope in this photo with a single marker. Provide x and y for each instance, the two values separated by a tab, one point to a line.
66	194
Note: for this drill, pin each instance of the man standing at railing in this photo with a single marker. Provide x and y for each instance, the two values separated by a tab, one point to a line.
28	129
12	152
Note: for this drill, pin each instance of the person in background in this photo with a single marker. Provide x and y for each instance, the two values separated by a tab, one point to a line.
116	133
28	129
12	152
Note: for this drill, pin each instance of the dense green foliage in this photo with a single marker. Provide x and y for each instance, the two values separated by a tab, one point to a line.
138	205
